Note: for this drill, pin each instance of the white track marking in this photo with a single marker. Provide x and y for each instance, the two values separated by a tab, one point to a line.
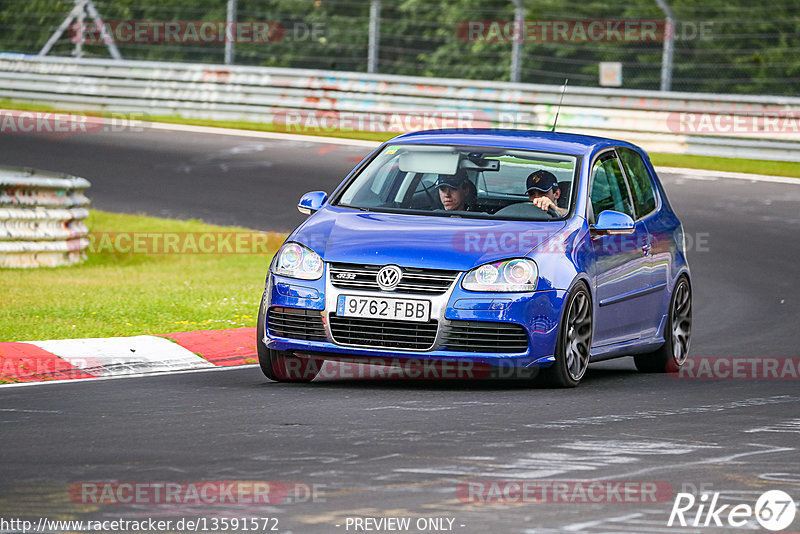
122	377
786	478
692	174
671	466
261	134
791	426
28	411
658	414
530	466
699	174
577	527
124	355
635	522
637	447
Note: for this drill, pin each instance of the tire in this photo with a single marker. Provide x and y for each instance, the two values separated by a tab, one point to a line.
574	343
282	366
677	334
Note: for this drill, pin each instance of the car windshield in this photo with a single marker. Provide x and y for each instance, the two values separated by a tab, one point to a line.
476	182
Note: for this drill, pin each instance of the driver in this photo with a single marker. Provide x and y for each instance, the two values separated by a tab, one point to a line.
543	191
456	191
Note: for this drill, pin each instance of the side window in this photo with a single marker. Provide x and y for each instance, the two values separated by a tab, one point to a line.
644	198
609	191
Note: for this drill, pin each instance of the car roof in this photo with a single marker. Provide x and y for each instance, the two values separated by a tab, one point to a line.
566	143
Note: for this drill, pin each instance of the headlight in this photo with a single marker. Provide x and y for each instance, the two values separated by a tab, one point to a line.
508	275
296	261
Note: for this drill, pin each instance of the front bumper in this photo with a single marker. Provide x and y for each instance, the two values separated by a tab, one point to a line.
537	312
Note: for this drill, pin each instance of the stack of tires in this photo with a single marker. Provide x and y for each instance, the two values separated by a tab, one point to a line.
41	218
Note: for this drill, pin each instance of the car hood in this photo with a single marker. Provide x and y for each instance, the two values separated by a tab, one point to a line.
350	236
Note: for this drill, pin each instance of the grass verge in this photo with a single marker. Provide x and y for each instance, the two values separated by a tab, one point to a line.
126	294
711	163
775	168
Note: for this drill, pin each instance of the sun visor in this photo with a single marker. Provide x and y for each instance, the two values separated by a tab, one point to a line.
429	162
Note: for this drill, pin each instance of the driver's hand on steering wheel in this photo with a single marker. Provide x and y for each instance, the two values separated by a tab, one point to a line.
545	204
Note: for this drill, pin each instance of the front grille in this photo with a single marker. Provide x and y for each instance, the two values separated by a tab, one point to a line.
383	333
414	280
481	336
296	323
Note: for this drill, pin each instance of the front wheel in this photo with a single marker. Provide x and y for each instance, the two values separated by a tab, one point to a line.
282	366
574	341
677	334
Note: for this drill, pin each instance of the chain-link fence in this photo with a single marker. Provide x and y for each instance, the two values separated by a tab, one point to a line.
719	46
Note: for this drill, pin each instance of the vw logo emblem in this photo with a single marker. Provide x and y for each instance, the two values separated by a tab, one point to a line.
389	277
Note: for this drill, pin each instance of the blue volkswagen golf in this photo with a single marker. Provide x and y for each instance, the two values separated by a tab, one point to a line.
522	250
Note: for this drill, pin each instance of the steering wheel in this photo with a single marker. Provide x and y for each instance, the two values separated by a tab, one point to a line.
551	211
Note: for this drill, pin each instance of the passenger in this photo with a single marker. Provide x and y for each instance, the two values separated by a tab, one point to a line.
543	191
456	191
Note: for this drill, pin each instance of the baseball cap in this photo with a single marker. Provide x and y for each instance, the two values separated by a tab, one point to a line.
452	180
541	180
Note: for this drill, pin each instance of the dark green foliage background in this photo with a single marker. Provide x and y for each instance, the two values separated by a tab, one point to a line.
750	48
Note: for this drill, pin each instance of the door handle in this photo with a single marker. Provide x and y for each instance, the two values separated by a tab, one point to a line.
646	249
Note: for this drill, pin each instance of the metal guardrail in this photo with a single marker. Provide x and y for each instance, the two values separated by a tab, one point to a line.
659	121
41	218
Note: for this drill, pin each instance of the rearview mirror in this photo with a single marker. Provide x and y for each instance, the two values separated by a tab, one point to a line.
612	222
311	202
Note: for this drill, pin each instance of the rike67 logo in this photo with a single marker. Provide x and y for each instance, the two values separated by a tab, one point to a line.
774	510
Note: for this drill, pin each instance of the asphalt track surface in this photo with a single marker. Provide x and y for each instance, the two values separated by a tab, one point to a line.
378	447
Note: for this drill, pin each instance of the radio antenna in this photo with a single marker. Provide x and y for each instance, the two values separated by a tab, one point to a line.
558	109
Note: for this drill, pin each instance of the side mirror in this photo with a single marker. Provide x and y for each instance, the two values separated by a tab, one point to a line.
612	222
311	202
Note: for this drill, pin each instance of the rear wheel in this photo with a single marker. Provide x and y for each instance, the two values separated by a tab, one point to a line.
282	366
574	341
677	334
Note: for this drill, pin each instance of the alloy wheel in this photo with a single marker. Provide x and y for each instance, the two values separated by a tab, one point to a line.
578	336
681	322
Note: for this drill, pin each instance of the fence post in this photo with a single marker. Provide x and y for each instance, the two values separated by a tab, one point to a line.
516	47
230	32
666	53
78	50
374	35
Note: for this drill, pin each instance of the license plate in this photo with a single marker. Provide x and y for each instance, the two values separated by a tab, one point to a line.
384	308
